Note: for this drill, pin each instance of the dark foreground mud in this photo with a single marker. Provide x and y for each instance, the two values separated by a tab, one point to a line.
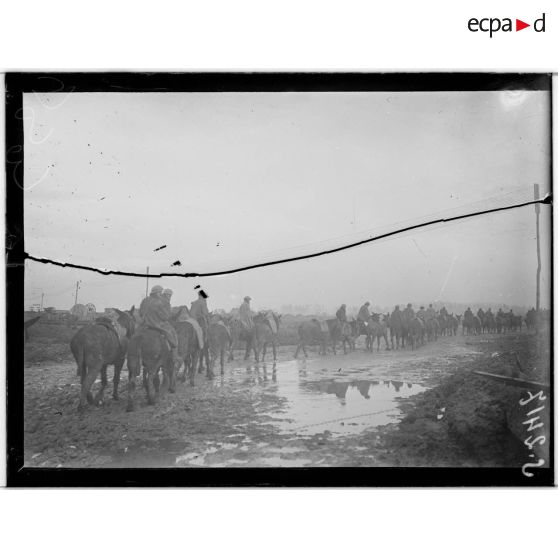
471	421
358	409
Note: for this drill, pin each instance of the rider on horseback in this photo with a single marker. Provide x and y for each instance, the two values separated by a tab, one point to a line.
430	312
200	312
155	312
364	313
245	314
341	314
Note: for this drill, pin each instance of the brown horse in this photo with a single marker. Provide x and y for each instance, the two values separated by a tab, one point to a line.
149	347
219	340
95	347
188	350
266	333
343	332
378	328
239	332
311	333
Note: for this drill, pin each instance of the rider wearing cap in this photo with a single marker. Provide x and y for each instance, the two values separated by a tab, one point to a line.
155	312
364	313
341	314
200	312
245	314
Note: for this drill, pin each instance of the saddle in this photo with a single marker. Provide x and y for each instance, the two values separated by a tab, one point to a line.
109	325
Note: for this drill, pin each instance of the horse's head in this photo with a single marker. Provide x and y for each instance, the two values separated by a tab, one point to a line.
127	320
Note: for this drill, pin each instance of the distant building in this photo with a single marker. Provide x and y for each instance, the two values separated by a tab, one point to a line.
85	312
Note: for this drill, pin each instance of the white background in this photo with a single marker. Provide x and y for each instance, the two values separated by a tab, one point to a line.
226	35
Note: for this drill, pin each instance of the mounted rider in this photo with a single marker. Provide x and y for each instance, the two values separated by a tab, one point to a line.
364	313
421	314
341	314
396	318
430	312
155	313
409	313
200	313
245	314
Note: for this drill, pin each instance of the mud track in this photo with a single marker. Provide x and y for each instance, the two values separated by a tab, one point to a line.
358	409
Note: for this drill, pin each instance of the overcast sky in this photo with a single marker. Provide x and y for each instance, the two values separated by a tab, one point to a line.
228	179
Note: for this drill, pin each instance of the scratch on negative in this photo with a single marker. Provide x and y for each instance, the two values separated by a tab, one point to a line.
546	200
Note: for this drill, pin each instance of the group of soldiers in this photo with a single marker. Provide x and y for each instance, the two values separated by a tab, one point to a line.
396	316
155	312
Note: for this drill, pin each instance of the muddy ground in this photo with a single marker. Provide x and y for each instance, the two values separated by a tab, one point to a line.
389	408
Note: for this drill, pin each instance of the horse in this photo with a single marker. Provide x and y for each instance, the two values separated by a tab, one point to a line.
378	327
266	332
471	325
416	333
219	341
150	348
311	333
188	350
455	323
239	332
396	330
362	328
432	328
341	331
97	346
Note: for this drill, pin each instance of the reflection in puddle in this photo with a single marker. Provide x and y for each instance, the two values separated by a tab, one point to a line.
313	400
343	407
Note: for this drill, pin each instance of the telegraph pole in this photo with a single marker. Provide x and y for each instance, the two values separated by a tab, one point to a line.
537	211
42	300
147	283
77	289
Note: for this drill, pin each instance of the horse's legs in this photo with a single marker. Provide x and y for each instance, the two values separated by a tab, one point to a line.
131	388
193	367
274	345
208	363
156	380
222	361
116	379
264	350
172	375
150	377
104	381
86	382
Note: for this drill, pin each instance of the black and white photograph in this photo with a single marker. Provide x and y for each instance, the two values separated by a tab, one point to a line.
280	274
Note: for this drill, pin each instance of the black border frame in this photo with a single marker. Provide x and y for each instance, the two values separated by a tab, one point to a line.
19	83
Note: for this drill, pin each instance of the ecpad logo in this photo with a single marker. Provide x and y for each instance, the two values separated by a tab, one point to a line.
492	25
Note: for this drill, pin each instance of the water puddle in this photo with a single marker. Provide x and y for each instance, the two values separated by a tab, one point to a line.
303	399
338	398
